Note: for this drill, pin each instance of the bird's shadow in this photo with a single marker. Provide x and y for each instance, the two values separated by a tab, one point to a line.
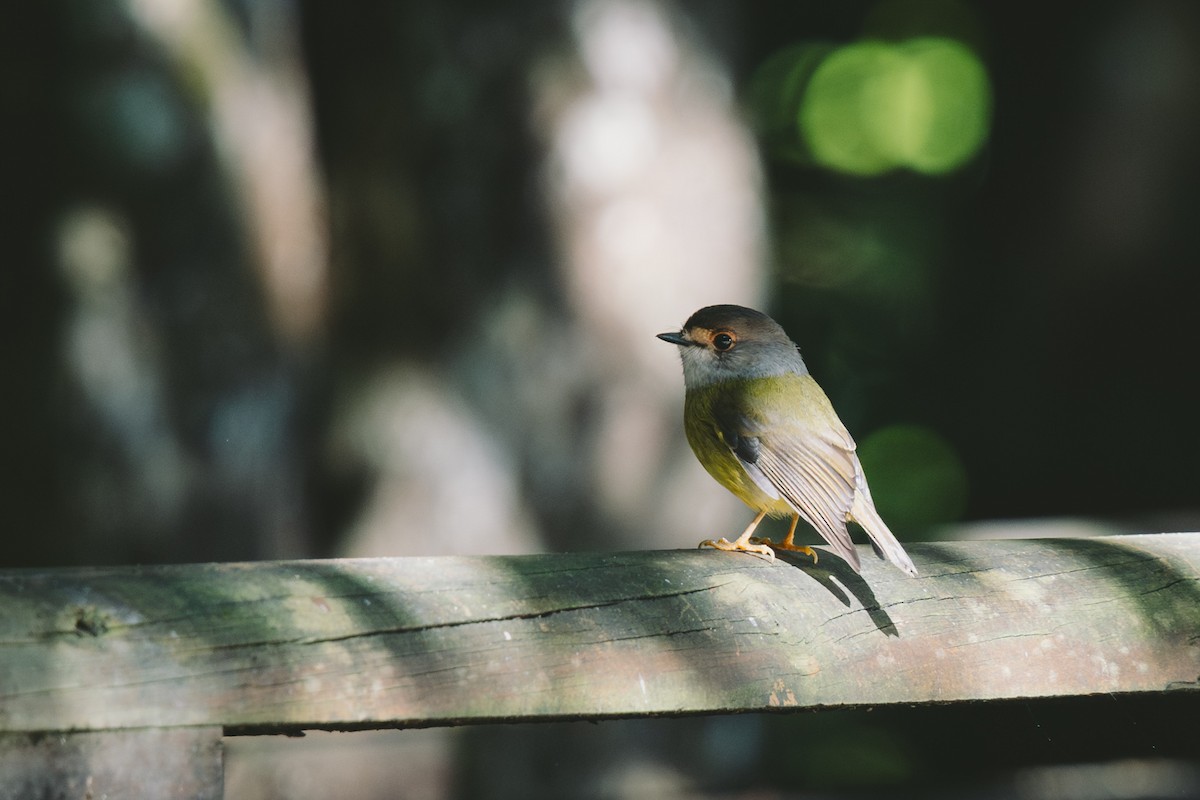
838	578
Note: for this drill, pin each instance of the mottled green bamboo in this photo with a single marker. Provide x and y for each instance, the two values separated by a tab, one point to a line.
343	644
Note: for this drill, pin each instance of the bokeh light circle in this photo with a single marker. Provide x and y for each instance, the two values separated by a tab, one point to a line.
875	106
917	479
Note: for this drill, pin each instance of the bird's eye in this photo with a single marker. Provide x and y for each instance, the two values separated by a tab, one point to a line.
723	341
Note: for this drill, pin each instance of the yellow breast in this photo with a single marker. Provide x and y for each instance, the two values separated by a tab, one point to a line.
715	454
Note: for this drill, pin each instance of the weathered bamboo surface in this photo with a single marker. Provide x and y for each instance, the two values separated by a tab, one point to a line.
345	644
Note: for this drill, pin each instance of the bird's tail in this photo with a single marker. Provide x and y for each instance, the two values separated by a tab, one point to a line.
883	542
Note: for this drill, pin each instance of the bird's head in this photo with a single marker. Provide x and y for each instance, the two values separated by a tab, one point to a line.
722	343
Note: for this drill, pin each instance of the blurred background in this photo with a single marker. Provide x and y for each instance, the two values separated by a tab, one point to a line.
301	279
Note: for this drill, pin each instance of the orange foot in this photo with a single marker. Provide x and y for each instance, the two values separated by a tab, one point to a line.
788	544
744	544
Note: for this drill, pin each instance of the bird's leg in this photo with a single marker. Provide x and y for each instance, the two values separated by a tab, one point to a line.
744	542
788	544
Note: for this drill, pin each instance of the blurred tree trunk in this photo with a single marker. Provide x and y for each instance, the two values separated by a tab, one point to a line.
31	305
153	416
444	261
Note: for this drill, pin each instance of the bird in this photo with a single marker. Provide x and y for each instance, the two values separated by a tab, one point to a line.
761	426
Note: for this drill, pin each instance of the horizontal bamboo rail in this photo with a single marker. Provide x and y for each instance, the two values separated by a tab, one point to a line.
343	644
280	647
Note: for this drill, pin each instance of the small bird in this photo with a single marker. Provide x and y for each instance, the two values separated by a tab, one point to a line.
764	429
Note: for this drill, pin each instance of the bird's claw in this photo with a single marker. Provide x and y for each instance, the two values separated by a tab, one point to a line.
748	546
786	545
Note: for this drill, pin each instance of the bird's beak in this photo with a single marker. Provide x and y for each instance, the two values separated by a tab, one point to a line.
676	337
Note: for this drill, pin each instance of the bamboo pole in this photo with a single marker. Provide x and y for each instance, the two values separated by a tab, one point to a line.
352	644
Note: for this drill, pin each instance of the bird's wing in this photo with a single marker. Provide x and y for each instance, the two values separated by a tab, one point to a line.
748	449
802	450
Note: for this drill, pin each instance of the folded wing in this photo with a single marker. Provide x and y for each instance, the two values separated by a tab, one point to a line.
808	458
